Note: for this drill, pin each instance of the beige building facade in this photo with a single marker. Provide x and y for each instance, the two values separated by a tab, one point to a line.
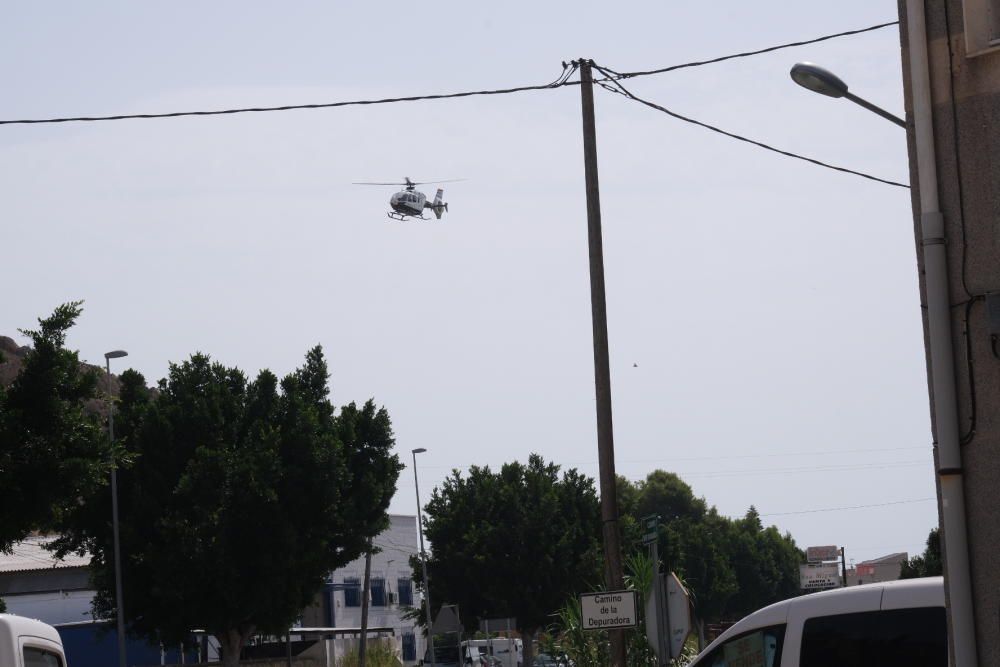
951	73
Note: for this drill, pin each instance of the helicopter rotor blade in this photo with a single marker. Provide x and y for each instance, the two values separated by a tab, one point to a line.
449	180
410	183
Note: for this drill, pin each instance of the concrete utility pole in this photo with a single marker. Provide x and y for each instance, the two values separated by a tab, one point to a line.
613	578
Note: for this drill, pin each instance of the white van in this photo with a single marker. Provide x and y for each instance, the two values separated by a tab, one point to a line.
873	625
25	642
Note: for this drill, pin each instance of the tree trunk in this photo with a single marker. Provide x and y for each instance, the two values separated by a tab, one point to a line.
528	640
231	644
365	592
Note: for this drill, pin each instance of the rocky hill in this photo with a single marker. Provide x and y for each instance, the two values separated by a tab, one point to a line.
13	359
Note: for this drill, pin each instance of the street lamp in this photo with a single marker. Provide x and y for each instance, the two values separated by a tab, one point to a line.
940	349
822	81
423	559
120	613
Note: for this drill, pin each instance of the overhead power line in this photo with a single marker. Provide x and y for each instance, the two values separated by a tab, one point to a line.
558	83
850	467
715	457
851	507
562	80
615	86
745	54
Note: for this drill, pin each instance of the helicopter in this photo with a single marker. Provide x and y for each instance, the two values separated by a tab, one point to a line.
410	203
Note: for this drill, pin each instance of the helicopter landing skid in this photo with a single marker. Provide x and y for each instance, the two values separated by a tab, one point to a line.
403	218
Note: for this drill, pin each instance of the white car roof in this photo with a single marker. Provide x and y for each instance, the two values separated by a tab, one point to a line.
901	594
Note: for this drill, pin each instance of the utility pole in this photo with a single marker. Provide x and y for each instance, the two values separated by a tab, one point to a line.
364	607
613	578
843	565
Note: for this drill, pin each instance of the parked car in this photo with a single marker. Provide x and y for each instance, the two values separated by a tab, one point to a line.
25	642
873	625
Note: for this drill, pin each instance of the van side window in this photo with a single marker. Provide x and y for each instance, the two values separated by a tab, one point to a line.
760	648
911	637
36	657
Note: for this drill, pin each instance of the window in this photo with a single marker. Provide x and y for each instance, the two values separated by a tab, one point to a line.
378	592
36	657
982	26
352	592
409	646
405	588
911	637
760	648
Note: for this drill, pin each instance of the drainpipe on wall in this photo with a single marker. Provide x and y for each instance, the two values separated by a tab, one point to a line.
942	361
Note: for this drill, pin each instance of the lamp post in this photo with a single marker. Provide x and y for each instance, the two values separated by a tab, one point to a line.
120	613
423	559
940	349
822	81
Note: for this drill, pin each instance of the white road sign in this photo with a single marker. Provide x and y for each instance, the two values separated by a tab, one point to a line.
818	577
605	611
818	554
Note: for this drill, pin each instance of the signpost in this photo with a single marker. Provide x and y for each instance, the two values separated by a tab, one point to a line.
650	529
447	620
608	610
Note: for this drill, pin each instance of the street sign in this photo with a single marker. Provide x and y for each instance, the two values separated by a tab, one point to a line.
819	577
676	618
608	610
678	612
820	554
650	528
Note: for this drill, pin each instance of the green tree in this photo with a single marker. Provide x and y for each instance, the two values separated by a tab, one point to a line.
928	564
513	543
242	496
52	451
732	567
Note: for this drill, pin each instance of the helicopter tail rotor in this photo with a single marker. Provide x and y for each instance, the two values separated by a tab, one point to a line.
439	206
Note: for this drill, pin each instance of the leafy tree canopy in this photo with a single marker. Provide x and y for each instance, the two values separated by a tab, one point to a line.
513	543
52	452
240	498
929	563
733	567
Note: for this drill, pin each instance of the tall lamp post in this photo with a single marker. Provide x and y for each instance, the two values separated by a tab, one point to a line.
958	589
423	559
120	613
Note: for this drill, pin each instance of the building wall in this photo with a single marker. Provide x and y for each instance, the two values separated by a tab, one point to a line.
965	93
53	607
392	562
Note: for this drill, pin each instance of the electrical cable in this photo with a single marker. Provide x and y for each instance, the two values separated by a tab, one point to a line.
561	80
805	469
971	433
615	86
851	507
671	68
730	457
955	149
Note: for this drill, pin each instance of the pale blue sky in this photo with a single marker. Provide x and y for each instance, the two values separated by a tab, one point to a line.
771	306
